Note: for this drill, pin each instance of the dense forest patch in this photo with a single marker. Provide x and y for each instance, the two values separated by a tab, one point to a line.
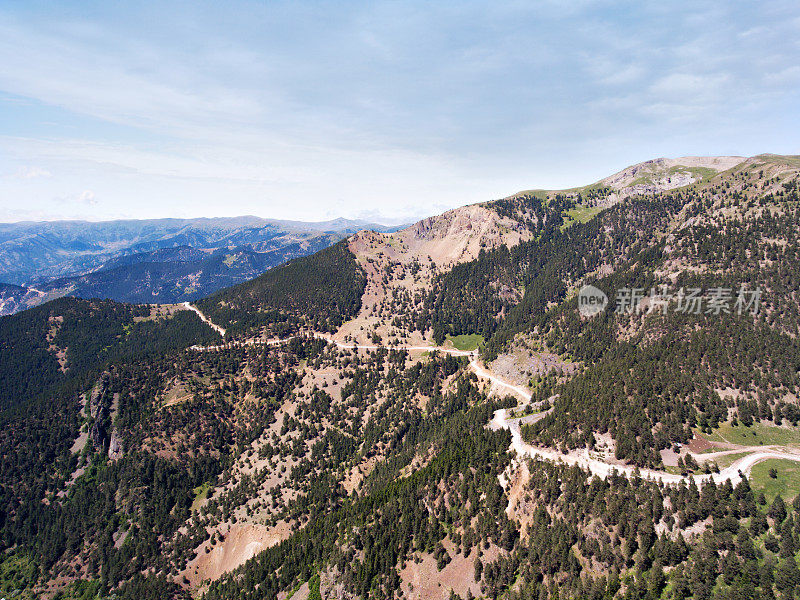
320	291
89	334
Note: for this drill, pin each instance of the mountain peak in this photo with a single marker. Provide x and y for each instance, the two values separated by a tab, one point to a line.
662	174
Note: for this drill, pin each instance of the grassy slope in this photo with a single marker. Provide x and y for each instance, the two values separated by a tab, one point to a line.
200	494
759	434
580	214
787	483
466	341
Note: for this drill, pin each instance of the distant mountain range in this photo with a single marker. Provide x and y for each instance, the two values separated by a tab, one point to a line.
318	432
155	260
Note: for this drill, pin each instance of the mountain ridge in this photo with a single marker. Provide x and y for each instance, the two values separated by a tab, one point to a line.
427	413
106	259
67	266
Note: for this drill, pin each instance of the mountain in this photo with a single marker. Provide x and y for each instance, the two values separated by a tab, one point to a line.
433	412
14	298
176	274
662	174
161	261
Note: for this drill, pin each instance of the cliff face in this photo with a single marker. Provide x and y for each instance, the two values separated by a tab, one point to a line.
98	413
402	266
115	450
455	236
459	234
101	407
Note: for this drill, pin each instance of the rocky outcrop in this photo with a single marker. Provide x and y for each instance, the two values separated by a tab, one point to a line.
100	413
114	446
458	235
662	174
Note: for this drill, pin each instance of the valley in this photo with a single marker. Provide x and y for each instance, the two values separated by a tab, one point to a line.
425	413
150	261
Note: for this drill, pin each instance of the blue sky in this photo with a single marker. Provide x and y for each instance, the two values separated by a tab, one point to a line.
382	110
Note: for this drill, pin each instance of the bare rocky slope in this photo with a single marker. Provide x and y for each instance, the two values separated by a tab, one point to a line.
663	174
327	440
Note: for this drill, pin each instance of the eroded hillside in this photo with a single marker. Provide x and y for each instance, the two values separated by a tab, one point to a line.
426	413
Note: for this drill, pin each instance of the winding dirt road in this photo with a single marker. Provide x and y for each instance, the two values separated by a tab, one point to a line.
501	419
476	367
205	319
583	459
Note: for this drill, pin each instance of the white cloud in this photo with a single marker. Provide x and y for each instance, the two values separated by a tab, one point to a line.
301	109
754	32
784	77
32	173
87	197
690	86
624	75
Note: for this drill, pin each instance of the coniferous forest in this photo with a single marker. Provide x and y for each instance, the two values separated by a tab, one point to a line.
342	439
